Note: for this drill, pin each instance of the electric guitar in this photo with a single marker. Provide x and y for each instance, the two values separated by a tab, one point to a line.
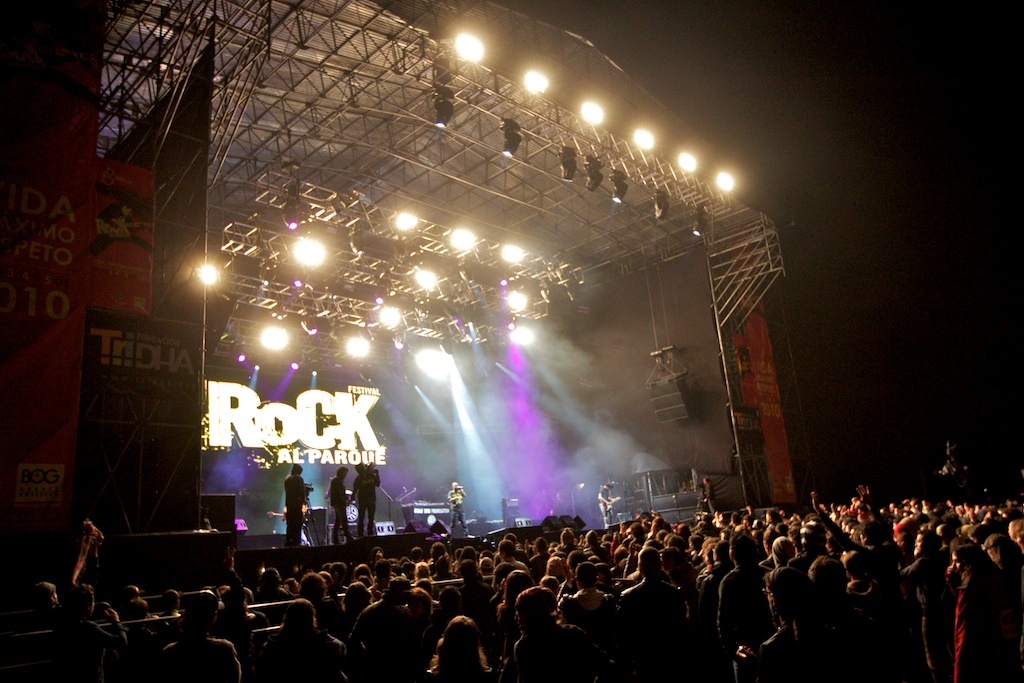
605	504
271	513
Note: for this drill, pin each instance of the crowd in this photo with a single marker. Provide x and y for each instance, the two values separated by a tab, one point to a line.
914	591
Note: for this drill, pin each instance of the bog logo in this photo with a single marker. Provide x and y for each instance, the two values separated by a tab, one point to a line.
39	483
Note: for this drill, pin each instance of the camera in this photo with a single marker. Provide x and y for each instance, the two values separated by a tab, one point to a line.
309	488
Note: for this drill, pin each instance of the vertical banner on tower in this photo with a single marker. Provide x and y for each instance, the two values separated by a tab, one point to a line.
760	389
122	249
49	87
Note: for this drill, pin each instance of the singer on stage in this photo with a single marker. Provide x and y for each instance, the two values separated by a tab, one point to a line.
456	499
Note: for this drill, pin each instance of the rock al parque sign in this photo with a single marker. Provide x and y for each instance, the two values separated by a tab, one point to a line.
321	428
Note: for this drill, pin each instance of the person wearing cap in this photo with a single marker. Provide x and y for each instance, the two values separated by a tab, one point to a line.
382	630
457	499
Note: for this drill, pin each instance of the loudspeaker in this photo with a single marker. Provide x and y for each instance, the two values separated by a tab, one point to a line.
551	523
385	528
240	526
574	523
523	521
316	524
416	526
439	528
669	398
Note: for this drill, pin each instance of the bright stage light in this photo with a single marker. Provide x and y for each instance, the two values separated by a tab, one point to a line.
725	181
469	47
462	239
434	362
390	317
309	252
535	82
406	221
687	162
521	336
208	274
426	279
516	301
241	358
643	138
274	338
294	366
592	113
512	253
357	346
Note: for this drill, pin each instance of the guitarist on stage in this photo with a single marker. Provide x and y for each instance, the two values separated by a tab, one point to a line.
294	506
605	502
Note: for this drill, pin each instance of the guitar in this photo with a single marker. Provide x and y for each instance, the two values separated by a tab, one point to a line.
605	504
271	513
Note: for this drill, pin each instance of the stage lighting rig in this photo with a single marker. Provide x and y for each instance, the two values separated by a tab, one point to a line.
619	186
593	167
513	136
444	105
568	158
661	204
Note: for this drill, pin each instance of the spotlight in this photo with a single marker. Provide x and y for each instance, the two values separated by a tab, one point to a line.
274	338
294	365
310	327
444	107
434	362
643	138
512	253
568	163
406	221
241	358
593	167
516	301
207	274
521	336
462	239
512	136
469	47
592	113
535	82
309	252
660	204
292	214
700	219
619	186
390	316
687	162
357	346
426	279
725	181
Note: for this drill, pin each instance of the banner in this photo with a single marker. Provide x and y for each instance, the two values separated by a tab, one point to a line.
760	389
122	250
49	85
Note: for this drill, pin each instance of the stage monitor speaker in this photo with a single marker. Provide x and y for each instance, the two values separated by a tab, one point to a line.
574	523
439	528
523	521
551	523
669	398
385	528
416	526
240	526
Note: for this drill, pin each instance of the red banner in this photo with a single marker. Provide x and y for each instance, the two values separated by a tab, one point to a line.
760	389
122	251
49	84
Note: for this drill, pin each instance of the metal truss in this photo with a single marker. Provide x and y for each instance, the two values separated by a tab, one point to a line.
325	107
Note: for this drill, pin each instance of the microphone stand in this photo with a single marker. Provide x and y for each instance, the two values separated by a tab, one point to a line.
390	500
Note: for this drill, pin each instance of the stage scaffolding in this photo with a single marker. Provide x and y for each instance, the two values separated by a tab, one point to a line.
325	107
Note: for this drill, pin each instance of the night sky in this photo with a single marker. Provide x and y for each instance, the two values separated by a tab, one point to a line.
876	137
